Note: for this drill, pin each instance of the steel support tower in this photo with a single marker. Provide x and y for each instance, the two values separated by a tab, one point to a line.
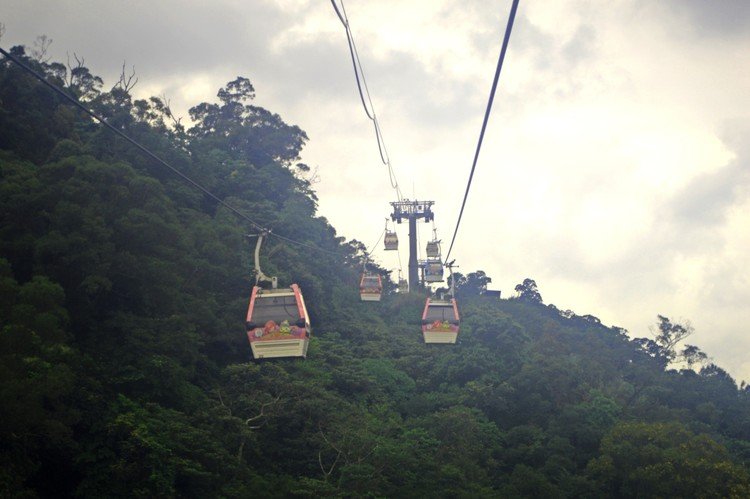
412	211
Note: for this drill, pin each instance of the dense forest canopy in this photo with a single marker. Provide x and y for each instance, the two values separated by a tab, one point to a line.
125	370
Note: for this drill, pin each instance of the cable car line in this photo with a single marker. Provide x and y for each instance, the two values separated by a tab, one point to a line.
376	242
300	243
504	48
382	149
359	76
355	60
156	158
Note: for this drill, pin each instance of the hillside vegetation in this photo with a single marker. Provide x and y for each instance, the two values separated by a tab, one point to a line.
125	369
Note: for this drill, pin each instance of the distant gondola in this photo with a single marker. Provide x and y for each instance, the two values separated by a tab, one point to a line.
440	321
370	287
433	271
433	249
391	241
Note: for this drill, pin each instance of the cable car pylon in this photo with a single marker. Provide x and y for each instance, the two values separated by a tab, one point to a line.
412	211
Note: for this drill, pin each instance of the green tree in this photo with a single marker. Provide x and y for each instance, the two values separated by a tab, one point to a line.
528	292
666	460
473	284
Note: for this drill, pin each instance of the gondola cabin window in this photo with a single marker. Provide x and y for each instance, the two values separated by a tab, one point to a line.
440	313
275	308
433	271
433	250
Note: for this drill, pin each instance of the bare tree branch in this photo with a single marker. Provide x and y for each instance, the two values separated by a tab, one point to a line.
221	401
79	64
39	51
669	335
239	451
262	413
126	82
312	177
320	430
327	474
168	111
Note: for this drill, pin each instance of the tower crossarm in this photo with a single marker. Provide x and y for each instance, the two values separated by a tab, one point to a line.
408	209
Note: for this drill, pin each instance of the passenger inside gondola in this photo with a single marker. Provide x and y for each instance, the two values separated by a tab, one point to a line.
440	314
371	282
433	272
275	314
433	249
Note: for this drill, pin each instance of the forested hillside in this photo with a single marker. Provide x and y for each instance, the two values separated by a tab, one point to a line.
125	369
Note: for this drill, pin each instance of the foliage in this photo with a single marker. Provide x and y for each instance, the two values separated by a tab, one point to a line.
666	459
528	291
473	284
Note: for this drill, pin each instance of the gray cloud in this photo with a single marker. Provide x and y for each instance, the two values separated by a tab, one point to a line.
702	205
580	46
720	19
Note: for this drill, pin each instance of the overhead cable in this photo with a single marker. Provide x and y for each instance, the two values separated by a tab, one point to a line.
153	156
368	252
365	98
376	242
504	48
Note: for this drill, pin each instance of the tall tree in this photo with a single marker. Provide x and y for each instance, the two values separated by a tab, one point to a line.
528	292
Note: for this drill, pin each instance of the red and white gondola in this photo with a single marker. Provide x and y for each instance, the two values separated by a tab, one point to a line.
277	323
370	287
440	321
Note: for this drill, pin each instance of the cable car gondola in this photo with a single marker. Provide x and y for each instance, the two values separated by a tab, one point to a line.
433	271
277	322
440	321
433	249
370	287
391	241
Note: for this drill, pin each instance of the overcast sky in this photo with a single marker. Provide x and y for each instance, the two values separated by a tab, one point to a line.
616	166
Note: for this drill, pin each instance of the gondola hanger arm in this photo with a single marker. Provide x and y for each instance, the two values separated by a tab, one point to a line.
259	275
